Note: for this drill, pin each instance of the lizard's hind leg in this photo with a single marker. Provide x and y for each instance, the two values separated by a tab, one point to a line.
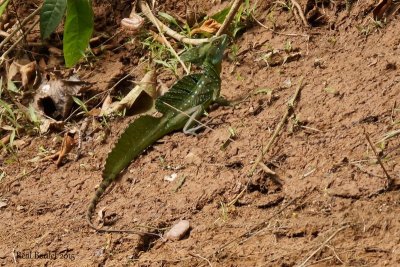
194	113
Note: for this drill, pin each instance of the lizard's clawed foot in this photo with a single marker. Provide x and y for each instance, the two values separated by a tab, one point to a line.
223	102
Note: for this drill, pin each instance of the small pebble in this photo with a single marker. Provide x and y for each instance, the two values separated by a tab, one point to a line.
178	231
170	178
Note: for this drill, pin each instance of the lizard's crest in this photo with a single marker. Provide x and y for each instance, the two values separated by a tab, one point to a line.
212	51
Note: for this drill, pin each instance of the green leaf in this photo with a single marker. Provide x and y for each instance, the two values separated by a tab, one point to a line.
80	104
51	15
3	7
168	18
33	116
77	31
221	15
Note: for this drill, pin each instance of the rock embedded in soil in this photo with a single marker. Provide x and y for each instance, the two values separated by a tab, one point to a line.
178	231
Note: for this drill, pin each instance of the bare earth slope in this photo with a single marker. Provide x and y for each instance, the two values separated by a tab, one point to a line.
330	179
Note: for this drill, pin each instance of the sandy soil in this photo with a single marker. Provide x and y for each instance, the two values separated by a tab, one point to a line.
326	205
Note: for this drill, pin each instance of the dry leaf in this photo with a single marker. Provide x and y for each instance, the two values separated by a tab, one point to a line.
66	146
27	74
3	204
208	26
106	104
55	51
54	97
46	124
146	85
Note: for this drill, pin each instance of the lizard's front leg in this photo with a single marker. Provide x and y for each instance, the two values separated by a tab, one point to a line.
194	113
222	102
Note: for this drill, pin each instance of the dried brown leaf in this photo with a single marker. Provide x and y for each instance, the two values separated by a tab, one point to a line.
28	73
208	26
66	146
54	97
146	85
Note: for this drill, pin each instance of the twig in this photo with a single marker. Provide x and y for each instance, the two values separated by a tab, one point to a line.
255	229
5	54
301	13
21	176
4	34
14	256
389	179
323	245
266	169
26	20
147	12
258	161
279	33
201	257
278	128
156	23
232	12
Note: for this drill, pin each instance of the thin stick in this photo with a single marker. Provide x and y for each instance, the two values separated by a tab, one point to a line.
3	57
9	183
389	179
301	13
26	20
156	23
278	128
232	12
201	257
323	245
147	12
255	229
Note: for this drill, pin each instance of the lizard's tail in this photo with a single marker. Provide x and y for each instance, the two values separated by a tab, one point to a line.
95	200
92	207
139	135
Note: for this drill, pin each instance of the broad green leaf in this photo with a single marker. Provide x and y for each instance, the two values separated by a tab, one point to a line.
51	15
77	31
3	7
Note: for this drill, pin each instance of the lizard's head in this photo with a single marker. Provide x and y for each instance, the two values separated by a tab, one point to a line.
212	51
216	51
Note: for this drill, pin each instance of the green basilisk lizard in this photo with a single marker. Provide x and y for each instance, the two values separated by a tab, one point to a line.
181	106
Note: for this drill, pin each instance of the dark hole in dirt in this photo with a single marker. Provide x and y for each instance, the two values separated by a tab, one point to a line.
124	85
370	119
48	106
262	188
143	103
298	234
391	66
147	242
315	234
235	165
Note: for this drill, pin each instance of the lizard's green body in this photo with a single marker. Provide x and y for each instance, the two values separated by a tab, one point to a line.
188	97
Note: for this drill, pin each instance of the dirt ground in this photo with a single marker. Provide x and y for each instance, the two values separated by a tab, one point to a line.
326	205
